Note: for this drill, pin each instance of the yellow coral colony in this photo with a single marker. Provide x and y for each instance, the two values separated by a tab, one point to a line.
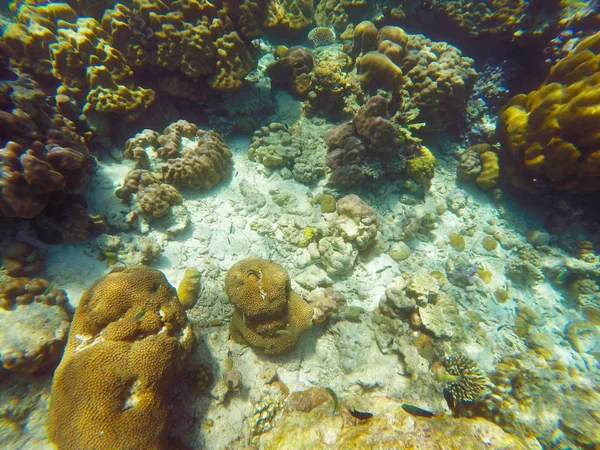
268	314
128	339
550	136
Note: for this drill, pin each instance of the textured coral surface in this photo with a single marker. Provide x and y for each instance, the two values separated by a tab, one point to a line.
550	136
128	339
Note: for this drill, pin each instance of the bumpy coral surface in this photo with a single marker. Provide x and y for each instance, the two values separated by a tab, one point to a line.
34	319
268	314
434	75
550	136
198	38
128	339
183	155
292	71
153	196
21	259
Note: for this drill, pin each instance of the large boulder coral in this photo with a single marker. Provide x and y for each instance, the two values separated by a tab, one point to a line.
434	76
268	314
199	39
34	322
128	339
550	137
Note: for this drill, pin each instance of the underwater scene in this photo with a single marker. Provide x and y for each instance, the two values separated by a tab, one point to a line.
299	224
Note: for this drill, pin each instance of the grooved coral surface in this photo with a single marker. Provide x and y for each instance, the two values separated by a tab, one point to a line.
268	314
127	341
550	137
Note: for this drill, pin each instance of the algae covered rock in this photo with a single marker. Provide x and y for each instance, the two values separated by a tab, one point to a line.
389	427
34	322
128	340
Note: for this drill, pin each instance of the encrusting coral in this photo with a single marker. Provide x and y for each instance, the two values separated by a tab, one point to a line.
268	314
550	137
128	339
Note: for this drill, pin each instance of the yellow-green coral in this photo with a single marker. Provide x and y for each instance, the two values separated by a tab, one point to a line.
189	287
550	136
268	314
128	339
421	168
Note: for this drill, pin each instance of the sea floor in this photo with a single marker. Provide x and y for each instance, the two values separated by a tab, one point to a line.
257	213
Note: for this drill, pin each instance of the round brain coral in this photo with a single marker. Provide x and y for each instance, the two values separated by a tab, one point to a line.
128	339
268	314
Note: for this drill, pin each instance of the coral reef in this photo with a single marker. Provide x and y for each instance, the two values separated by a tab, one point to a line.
154	197
268	314
128	339
351	144
549	136
199	39
297	148
35	319
434	76
292	71
539	391
183	155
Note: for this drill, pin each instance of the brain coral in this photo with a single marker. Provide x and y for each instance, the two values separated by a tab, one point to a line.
128	339
550	137
268	314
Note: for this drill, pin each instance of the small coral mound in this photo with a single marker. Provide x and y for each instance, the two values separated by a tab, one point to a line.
268	314
34	322
367	147
471	383
550	136
322	36
128	340
292	71
21	259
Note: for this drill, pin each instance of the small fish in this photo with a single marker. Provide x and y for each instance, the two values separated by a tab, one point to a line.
235	283
235	174
139	315
361	415
416	411
449	399
282	332
50	288
314	261
334	397
447	378
336	246
244	318
383	269
500	327
231	228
